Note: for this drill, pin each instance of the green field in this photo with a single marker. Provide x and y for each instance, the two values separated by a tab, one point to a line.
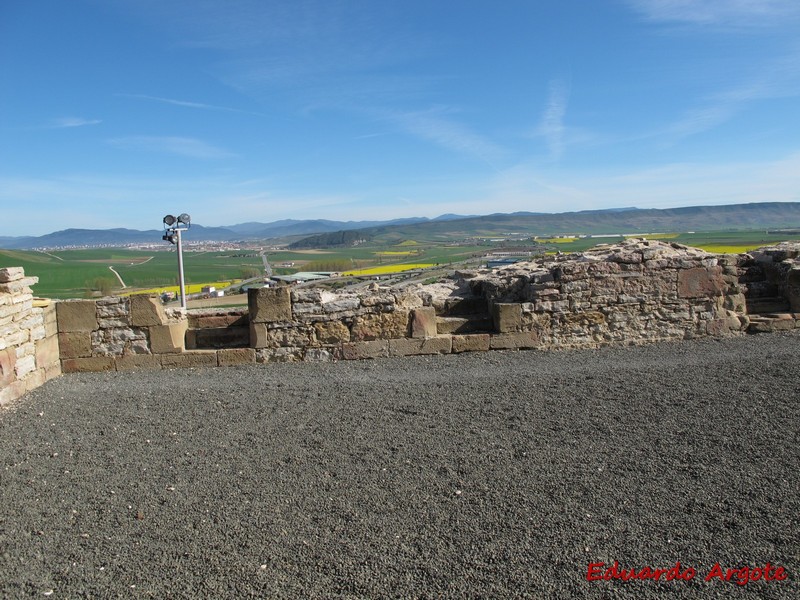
86	273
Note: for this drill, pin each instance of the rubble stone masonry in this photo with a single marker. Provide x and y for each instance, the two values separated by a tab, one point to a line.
634	292
29	352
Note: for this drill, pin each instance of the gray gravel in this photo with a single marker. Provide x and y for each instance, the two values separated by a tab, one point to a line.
501	474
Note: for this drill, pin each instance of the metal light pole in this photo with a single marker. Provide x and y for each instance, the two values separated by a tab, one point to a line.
174	227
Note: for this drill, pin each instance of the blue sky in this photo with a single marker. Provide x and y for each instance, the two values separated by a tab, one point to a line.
116	112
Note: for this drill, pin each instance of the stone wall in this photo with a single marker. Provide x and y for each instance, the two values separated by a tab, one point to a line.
631	293
29	353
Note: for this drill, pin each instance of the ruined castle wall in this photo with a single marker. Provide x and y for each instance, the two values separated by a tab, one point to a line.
632	293
29	353
627	295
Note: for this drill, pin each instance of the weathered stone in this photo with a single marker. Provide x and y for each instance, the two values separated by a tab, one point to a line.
507	317
8	274
76	315
514	341
236	356
321	355
195	358
168	339
332	332
270	305
478	342
283	355
12	392
365	349
380	326
423	322
412	347
146	310
700	282
47	352
137	362
86	365
77	344
8	359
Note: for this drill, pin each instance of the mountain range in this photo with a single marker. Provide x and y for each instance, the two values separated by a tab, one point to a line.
767	215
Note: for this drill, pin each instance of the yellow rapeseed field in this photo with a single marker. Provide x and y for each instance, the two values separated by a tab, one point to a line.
191	288
729	249
388	269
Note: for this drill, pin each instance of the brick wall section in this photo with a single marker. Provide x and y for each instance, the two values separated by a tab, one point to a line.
29	352
631	293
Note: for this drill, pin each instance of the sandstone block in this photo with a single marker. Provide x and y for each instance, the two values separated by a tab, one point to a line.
12	392
258	335
269	305
236	356
322	354
380	326
146	310
47	352
35	379
366	349
87	365
76	315
700	282
478	342
514	341
136	362
412	347
196	358
283	355
77	344
8	360
507	317
11	274
332	332
24	365
168	339
19	286
423	322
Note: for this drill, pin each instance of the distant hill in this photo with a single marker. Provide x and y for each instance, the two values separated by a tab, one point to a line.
766	215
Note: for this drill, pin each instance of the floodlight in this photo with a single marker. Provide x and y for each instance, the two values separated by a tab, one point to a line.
184	218
169	220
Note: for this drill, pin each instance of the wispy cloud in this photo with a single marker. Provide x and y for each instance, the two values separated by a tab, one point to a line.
188	104
778	79
719	13
552	122
182	146
433	126
64	122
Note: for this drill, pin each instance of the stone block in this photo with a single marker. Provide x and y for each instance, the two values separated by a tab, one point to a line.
168	339
20	286
507	317
137	362
514	341
282	355
478	342
197	358
35	379
322	354
87	365
380	326
412	347
332	332
47	352
270	305
700	282
236	356
76	344
12	392
423	322
11	274
76	315
8	360
366	349
25	365
147	310
258	335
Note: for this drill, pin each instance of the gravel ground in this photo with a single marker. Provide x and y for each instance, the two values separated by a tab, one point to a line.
501	474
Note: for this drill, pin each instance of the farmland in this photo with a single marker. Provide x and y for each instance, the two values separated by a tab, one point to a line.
92	272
